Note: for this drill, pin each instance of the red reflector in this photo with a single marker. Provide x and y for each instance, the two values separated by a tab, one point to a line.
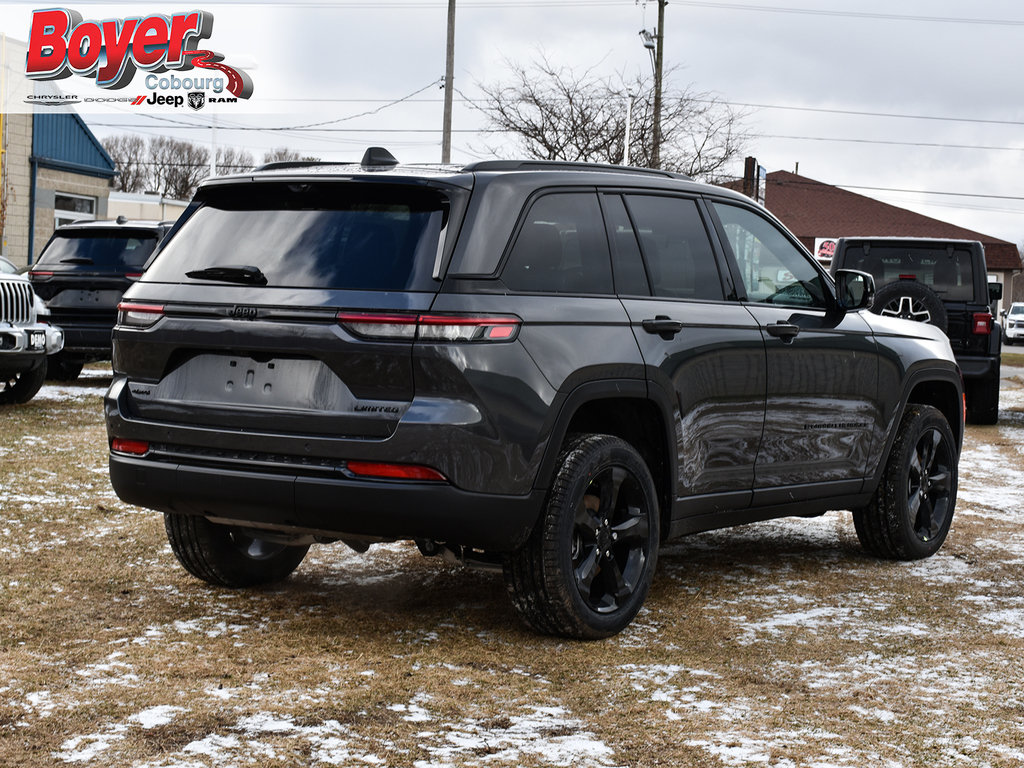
501	332
982	323
393	471
134	447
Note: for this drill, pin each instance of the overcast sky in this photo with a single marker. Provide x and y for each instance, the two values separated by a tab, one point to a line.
920	95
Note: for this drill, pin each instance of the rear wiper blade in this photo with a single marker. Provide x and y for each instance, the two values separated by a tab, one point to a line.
247	274
77	260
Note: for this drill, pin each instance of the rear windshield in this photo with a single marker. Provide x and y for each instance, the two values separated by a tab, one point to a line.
362	236
950	273
99	251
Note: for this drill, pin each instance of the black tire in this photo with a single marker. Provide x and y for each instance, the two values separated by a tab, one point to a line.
229	557
983	401
587	567
60	368
912	301
912	508
22	387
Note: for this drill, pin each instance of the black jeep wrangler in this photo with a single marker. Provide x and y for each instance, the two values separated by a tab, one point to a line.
546	368
945	283
81	275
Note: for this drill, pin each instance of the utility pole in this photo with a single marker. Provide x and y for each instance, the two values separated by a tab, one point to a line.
449	73
659	57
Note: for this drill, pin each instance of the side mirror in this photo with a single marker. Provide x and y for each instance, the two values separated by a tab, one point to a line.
854	289
995	291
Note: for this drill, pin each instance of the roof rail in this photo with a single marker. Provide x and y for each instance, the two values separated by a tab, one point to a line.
280	165
566	165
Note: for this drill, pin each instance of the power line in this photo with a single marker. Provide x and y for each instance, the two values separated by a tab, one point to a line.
944	118
887	142
849	14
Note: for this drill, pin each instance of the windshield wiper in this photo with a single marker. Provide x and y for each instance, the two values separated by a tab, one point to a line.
245	274
77	260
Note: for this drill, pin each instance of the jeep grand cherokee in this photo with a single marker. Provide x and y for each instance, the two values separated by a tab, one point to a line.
547	368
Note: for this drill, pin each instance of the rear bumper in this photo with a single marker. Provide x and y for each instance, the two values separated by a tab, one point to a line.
88	340
978	367
335	507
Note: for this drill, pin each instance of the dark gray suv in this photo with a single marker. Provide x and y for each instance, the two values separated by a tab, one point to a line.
547	368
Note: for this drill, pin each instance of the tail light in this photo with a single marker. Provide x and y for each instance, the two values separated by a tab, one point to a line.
130	447
982	323
409	327
40	274
138	315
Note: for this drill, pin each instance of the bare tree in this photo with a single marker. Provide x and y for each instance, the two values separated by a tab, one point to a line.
177	166
128	151
172	167
556	113
284	154
232	160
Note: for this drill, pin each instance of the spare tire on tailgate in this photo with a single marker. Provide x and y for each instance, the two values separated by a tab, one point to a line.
911	300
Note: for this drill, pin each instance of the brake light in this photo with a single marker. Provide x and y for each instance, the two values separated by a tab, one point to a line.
131	447
138	315
982	323
458	328
408	327
394	471
908	277
42	275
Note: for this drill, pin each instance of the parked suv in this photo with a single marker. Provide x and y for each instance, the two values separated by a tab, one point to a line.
81	274
547	368
944	283
1015	323
26	338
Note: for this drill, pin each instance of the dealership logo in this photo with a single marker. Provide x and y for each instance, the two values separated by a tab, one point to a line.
61	99
61	44
196	100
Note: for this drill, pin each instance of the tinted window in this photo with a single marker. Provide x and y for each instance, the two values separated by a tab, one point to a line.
87	250
340	236
680	261
561	247
627	263
948	272
773	269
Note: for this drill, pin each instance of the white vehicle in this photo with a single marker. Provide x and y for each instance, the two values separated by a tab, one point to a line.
25	337
1013	330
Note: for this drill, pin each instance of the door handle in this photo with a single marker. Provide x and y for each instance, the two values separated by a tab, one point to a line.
781	330
663	325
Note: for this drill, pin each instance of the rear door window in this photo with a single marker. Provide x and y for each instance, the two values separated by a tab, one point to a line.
561	247
681	263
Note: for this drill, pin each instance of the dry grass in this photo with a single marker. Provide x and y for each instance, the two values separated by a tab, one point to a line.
778	644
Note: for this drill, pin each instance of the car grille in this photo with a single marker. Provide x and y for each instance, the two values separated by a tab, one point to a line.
15	302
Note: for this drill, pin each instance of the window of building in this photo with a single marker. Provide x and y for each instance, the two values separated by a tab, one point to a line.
68	208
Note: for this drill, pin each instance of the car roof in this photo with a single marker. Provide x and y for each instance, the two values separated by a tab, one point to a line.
378	164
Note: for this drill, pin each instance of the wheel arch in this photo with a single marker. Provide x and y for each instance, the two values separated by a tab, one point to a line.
626	410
